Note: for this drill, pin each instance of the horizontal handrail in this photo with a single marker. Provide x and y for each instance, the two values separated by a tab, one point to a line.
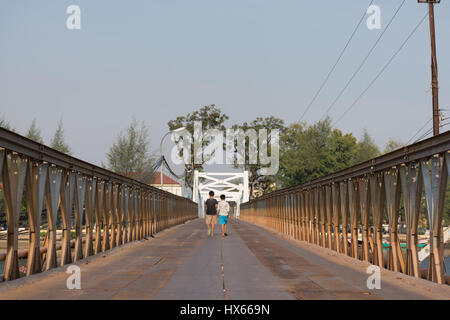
116	209
26	147
413	152
339	209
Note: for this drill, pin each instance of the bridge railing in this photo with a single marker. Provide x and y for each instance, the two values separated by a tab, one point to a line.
334	210
107	208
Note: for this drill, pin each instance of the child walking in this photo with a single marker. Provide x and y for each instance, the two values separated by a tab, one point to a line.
211	212
224	213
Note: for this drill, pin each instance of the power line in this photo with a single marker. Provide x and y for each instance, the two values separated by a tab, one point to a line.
431	130
363	61
419	131
383	69
335	64
424	135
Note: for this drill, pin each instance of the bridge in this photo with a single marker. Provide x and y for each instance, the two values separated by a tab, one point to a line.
320	240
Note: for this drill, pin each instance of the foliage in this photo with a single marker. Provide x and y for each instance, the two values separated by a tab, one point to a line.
5	124
367	149
212	118
58	141
310	152
257	181
130	153
34	133
392	145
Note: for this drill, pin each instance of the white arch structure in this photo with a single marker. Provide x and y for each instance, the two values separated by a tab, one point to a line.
234	185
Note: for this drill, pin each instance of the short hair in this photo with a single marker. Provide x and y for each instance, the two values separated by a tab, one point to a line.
211	193
222	197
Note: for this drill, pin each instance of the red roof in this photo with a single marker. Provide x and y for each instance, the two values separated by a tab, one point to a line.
156	179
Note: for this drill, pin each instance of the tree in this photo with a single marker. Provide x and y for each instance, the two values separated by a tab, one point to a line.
130	153
58	141
367	149
392	145
258	181
5	124
34	133
310	152
211	117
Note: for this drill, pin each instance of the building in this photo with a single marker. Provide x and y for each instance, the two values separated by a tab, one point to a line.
168	184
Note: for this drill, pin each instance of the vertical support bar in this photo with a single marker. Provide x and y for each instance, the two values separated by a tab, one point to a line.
54	180
80	197
336	214
353	206
67	192
106	216
377	200
91	190
13	183
329	214
99	209
363	187
411	183
36	182
392	186
343	192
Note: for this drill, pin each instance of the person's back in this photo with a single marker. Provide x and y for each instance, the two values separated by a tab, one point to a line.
224	208
224	212
211	212
211	206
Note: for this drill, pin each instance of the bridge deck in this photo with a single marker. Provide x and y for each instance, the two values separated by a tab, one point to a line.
251	263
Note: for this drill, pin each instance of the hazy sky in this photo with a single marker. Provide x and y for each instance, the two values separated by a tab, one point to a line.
157	59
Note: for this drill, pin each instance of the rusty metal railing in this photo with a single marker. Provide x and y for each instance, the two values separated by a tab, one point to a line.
116	209
321	211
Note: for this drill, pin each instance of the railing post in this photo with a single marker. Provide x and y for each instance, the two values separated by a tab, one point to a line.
54	180
336	213
107	216
363	188
89	214
13	183
99	208
343	192
36	184
67	192
80	196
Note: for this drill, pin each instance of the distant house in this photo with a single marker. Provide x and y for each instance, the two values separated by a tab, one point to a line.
168	184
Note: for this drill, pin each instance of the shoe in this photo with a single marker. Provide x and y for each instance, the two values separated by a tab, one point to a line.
226	234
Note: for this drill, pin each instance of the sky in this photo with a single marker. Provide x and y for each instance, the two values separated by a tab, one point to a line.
154	60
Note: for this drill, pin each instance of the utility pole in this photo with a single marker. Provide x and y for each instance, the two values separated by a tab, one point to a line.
434	68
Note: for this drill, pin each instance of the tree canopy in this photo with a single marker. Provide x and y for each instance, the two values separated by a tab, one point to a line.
211	117
257	181
34	133
309	152
58	142
130	153
367	148
392	145
5	124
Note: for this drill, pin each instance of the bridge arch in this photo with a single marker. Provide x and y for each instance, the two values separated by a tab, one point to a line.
234	185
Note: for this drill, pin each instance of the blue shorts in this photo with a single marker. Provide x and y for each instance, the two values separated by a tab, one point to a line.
223	219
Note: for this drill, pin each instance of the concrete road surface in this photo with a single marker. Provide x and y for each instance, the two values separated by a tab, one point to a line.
251	263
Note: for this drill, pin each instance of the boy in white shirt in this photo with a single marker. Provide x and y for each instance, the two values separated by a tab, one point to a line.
224	212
